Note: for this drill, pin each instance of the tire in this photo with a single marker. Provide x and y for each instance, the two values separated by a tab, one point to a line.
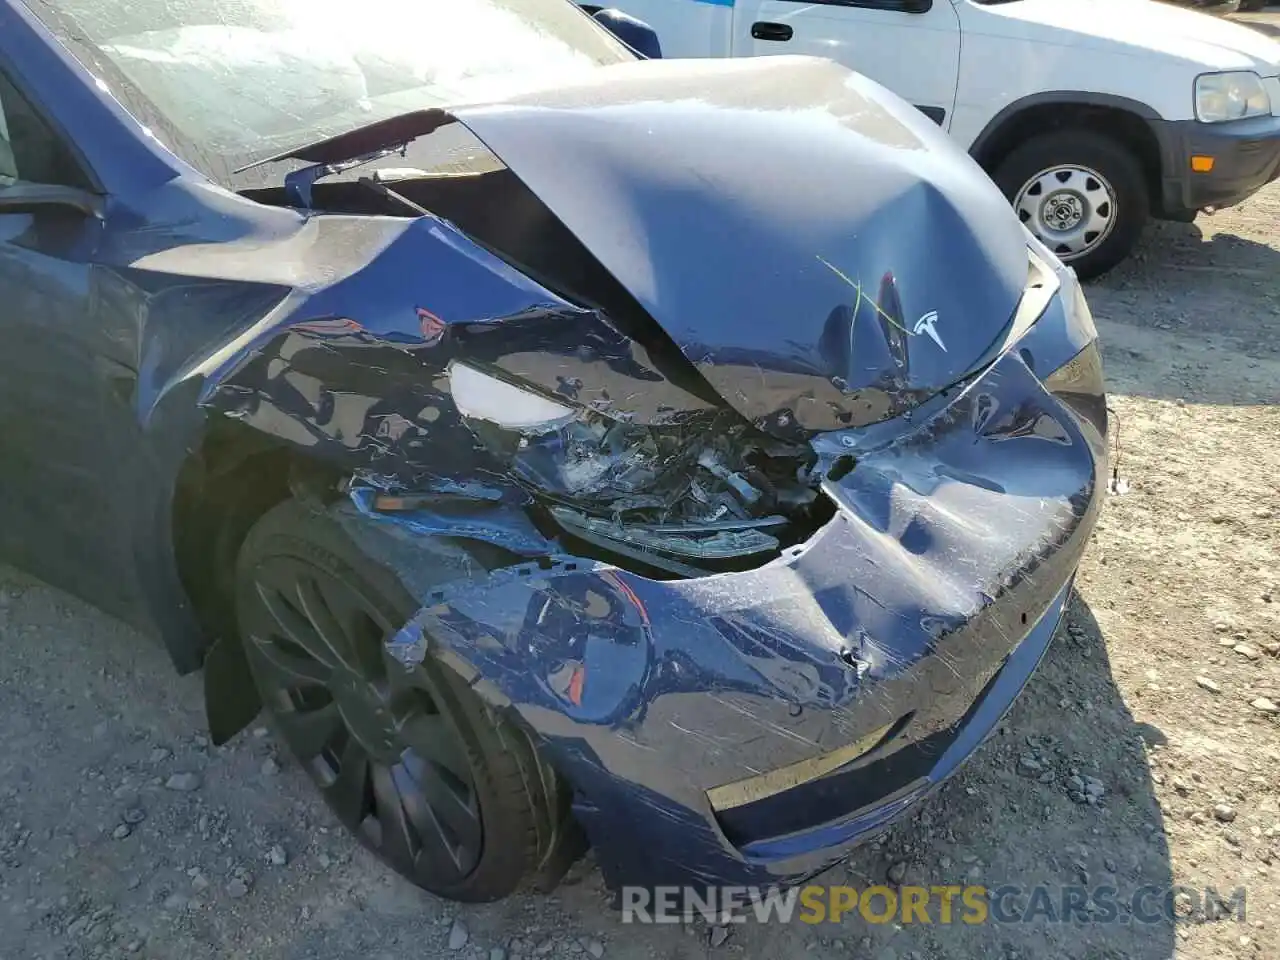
439	787
1057	176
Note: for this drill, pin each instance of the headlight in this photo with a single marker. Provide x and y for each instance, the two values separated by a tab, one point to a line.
1230	96
482	397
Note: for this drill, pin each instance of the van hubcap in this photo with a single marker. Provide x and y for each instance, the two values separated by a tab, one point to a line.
1070	209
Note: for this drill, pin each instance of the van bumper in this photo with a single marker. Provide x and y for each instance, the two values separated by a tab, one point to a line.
1246	157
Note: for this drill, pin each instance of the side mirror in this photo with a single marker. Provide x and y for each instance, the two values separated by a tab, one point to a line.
636	34
31	197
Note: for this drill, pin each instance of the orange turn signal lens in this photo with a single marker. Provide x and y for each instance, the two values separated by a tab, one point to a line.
1202	164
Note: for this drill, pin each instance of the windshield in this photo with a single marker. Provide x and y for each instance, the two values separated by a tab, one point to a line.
233	81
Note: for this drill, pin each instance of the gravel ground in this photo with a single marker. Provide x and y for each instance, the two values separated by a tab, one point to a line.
124	834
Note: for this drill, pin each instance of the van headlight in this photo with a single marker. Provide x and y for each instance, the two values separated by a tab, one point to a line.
1230	96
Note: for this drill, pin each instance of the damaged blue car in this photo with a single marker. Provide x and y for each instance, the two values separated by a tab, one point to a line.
690	459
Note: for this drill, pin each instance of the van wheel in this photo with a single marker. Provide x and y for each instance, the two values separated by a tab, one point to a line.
1082	194
425	775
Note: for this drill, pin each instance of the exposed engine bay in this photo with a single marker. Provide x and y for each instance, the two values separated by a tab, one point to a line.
706	493
709	496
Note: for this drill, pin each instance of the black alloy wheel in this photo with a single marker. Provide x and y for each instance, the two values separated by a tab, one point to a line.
411	762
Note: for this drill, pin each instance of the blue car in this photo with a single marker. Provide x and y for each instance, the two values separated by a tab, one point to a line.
561	446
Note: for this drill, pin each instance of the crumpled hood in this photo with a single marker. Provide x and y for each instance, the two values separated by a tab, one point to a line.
1140	25
819	250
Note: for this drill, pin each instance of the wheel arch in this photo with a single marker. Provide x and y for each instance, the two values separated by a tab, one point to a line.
226	483
233	477
1125	120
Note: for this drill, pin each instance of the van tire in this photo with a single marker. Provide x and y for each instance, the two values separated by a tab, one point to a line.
1065	181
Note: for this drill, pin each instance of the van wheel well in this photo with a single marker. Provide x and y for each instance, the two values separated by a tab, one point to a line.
1124	127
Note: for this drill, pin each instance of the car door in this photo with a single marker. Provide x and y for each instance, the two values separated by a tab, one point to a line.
910	46
64	411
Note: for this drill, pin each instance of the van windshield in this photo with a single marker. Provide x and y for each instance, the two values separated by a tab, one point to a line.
233	81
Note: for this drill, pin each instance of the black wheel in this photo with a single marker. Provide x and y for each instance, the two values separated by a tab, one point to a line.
1081	193
440	788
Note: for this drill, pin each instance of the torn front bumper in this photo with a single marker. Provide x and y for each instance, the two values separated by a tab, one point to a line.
905	626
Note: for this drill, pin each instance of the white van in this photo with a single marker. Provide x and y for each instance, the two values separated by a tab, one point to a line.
1091	115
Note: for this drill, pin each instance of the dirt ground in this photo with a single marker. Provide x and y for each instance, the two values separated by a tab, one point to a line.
1158	687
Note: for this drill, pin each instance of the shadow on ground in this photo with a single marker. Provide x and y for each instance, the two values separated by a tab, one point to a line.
1268	23
1192	316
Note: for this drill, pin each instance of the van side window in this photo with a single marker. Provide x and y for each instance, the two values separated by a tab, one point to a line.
29	149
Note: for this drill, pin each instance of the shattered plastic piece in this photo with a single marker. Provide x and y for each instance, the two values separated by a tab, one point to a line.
408	645
705	543
1118	486
501	525
703	491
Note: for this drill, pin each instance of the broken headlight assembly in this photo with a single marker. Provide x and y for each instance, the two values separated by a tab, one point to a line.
706	494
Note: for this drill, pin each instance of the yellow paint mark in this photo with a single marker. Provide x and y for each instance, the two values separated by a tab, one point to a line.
857	288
